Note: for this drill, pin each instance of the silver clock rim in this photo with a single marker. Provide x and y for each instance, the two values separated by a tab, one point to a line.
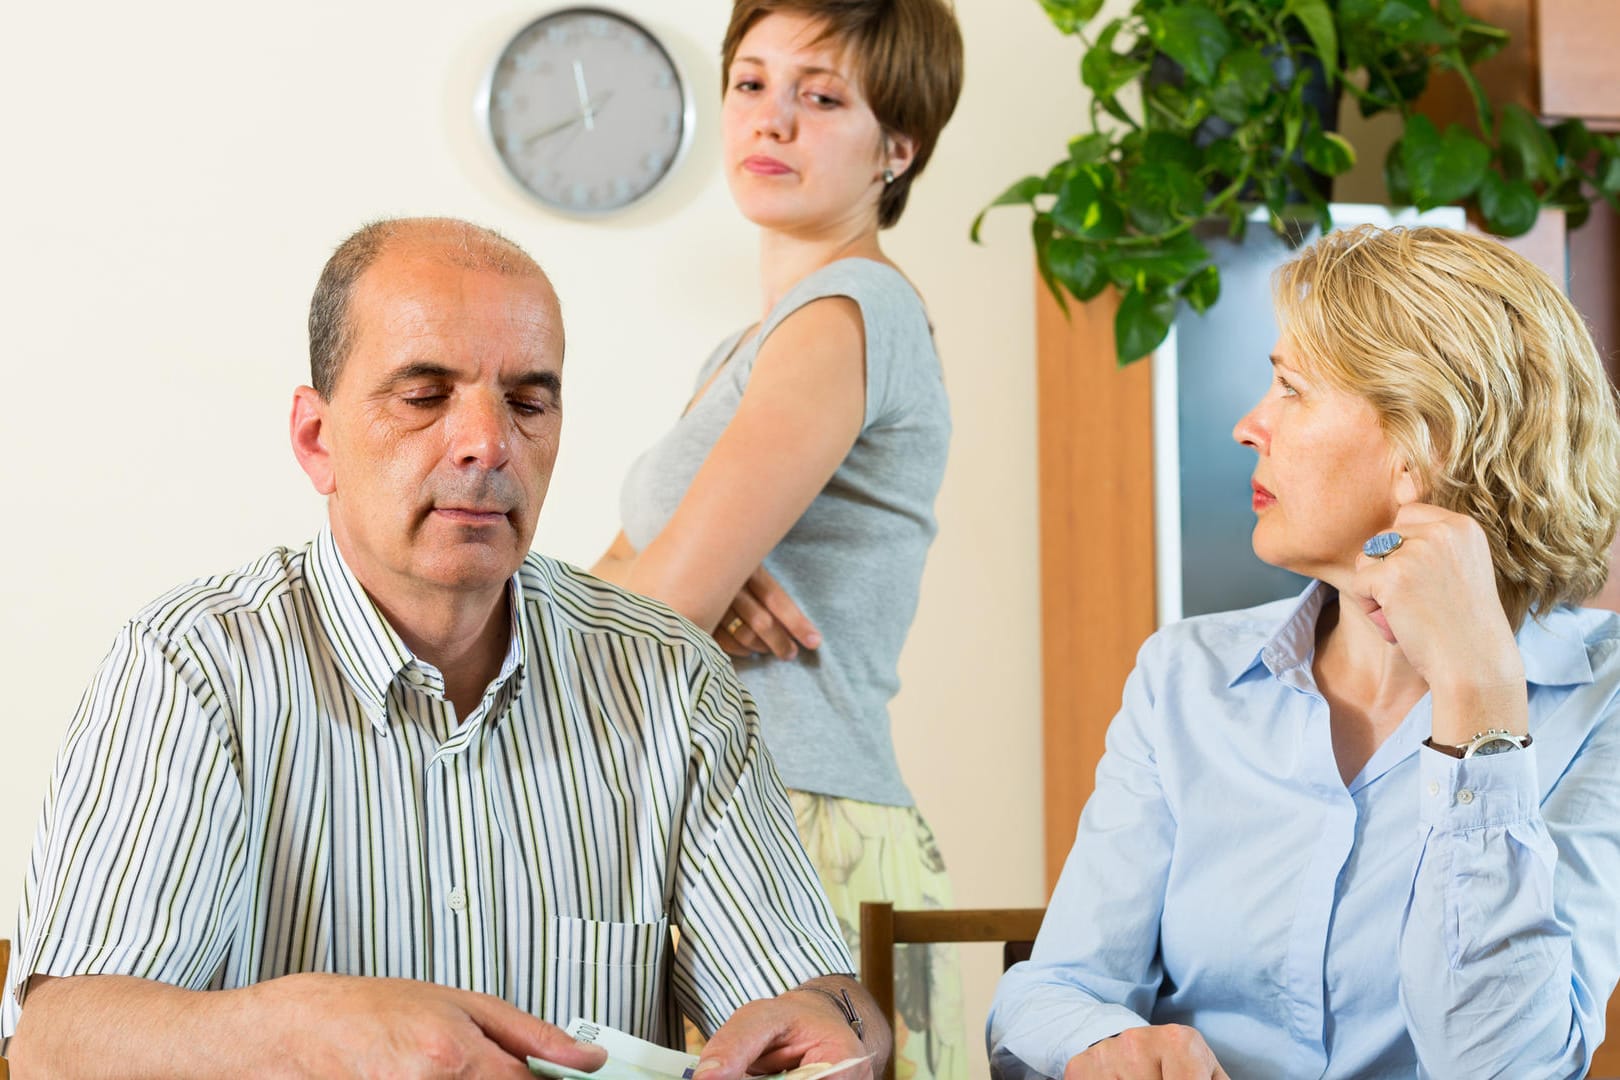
486	92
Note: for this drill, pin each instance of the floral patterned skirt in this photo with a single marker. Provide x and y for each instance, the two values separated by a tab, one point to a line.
868	851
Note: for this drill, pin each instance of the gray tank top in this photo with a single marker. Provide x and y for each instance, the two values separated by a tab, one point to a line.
854	560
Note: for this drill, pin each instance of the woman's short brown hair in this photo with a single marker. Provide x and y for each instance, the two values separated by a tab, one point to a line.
1485	380
908	62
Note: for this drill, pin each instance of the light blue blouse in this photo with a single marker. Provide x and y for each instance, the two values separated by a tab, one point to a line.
1438	917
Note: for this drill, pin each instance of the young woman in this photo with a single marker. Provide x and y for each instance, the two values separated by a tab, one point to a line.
789	510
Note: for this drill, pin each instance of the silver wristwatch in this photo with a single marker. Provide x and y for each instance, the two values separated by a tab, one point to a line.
1490	741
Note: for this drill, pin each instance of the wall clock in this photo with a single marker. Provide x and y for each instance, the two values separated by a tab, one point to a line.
587	110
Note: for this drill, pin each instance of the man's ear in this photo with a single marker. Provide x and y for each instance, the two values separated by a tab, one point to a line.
309	439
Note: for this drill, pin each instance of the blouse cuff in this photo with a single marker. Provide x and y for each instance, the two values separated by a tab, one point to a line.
1459	794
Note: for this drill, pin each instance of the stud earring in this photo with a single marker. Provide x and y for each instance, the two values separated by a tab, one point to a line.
888	177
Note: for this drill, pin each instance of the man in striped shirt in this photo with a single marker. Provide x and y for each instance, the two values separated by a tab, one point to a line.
398	802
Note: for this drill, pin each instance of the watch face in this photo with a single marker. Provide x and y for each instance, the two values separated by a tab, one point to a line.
587	110
1496	744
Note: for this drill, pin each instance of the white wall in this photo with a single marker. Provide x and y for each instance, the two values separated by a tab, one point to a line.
174	173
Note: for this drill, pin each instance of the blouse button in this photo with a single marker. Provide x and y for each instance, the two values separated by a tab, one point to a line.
458	899
1465	796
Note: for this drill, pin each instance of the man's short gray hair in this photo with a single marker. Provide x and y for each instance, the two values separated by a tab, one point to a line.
460	243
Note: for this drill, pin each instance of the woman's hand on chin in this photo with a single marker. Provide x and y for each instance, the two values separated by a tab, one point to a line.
1434	597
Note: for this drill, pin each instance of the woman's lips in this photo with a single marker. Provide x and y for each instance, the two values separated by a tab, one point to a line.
761	165
1262	498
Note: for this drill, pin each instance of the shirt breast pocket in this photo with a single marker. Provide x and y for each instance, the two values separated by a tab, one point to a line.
609	973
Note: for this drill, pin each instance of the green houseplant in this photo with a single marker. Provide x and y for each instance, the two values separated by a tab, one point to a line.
1204	109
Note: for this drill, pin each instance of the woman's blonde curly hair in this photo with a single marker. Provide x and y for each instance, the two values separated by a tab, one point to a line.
1485	380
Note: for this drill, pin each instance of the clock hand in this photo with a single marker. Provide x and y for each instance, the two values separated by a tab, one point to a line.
584	96
547	132
591	108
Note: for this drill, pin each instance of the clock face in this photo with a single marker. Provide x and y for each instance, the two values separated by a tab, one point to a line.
587	110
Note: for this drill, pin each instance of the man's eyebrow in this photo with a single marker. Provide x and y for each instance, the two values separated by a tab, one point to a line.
427	369
545	380
421	369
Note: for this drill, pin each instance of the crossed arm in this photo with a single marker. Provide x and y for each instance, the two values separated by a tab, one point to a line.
797	420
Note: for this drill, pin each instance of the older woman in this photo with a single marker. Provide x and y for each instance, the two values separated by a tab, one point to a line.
1373	831
803	472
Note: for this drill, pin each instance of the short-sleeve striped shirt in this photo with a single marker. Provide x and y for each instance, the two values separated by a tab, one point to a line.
262	779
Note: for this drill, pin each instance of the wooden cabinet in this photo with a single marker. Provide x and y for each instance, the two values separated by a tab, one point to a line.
1574	60
1095	430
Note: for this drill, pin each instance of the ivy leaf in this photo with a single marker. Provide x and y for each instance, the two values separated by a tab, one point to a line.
1084	209
1159	194
1203	288
1167	146
1317	19
1105	71
1441	169
1574	140
1193	36
1041	230
1569	198
1528	151
1245	81
1413	22
1157	266
1399	17
1329	153
1396	184
1056	177
1142	323
1020	194
1078	265
1069	15
1510	206
1479	41
1608	175
1088	149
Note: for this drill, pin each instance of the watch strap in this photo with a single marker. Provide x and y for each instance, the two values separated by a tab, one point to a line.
1462	751
845	1006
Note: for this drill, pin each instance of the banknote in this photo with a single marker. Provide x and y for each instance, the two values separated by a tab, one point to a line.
630	1058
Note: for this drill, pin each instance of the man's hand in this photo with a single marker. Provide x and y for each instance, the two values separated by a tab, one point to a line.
303	1025
769	621
799	1027
1164	1052
398	1027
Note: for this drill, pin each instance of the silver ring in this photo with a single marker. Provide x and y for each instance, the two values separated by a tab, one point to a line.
1382	545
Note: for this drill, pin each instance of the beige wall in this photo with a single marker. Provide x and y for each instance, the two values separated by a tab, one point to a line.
173	174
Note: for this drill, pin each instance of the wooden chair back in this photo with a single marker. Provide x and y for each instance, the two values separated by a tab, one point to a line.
882	928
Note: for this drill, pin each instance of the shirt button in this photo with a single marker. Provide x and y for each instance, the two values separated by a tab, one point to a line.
458	900
1465	796
1434	787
